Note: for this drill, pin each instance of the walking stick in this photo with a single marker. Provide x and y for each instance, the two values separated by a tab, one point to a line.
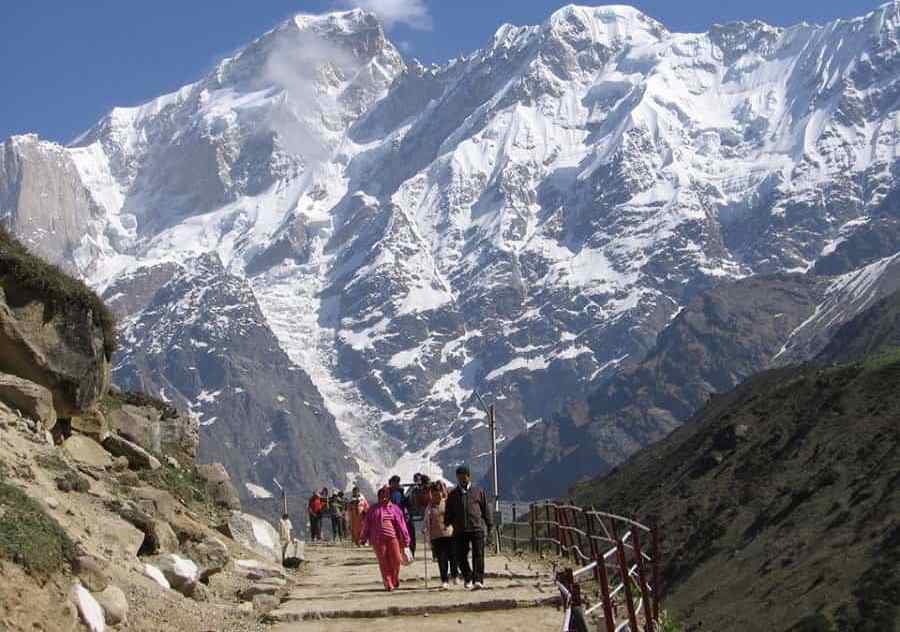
427	542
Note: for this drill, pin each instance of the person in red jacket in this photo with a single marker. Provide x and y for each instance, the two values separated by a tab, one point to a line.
315	508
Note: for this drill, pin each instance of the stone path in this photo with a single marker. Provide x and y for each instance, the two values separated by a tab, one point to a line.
343	591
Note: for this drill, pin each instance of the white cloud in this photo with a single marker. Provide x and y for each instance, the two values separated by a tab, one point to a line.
413	13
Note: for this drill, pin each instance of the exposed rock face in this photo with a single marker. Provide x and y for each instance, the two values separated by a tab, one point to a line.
30	399
61	351
181	573
722	336
38	176
210	555
524	220
259	413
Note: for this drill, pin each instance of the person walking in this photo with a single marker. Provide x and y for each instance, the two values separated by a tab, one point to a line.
469	512
336	512
314	508
385	529
440	536
402	501
285	533
357	508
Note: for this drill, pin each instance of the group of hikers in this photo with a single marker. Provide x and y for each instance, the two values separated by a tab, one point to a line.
456	523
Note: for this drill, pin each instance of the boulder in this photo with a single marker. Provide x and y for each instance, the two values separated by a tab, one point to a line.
166	540
157	502
180	437
120	535
91	573
255	534
88	609
219	485
30	399
201	593
259	588
138	457
256	570
138	424
181	573
156	575
63	350
210	555
158	534
86	451
114	604
91	423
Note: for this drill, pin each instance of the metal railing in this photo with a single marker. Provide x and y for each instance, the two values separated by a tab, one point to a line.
616	571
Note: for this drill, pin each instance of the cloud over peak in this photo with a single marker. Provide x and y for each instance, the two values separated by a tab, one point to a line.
413	13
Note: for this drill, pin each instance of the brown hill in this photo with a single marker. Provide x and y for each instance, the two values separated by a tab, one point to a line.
779	499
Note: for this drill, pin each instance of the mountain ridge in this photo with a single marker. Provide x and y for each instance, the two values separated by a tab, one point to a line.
522	221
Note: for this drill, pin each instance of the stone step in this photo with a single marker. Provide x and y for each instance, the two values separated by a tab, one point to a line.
287	614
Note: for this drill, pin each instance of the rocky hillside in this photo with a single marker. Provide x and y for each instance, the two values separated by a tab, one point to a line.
523	220
105	518
721	337
779	499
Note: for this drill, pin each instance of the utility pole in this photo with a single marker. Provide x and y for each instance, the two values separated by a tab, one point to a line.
492	424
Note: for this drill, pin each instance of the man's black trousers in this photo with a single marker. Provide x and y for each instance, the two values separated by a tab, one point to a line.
465	541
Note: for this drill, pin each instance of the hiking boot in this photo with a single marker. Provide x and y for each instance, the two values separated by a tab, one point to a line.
445	586
478	586
468	585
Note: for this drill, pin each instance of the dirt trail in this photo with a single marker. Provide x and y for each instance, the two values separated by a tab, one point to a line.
343	591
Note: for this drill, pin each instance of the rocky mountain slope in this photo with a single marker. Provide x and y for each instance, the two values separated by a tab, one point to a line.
720	338
105	519
779	498
522	221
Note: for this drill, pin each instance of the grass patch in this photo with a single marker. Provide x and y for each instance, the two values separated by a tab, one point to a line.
883	359
52	461
28	536
18	266
668	623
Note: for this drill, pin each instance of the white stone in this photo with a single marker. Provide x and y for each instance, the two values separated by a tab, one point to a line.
88	608
156	575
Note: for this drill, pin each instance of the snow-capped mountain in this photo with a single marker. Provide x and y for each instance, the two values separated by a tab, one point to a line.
521	221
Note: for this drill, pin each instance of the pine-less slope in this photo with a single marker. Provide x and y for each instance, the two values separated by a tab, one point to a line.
779	500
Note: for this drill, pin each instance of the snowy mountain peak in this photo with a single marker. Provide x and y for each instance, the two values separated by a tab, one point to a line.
352	21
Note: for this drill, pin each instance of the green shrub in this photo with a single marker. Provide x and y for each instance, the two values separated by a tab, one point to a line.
60	290
181	483
28	536
817	622
667	622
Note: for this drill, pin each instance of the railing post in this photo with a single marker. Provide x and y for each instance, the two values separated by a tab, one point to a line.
546	526
656	552
642	578
559	548
626	577
531	519
600	574
515	531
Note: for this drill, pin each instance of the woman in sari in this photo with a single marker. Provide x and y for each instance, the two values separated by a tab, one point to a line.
356	515
385	528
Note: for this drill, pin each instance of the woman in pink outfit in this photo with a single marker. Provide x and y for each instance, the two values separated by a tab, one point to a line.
385	528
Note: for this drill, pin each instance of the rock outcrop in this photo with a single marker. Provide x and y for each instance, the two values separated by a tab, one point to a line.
30	399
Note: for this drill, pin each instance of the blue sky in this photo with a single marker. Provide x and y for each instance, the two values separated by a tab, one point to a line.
66	62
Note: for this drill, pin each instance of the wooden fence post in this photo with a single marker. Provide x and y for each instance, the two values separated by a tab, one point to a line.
600	574
642	579
531	519
626	577
559	549
515	531
547	526
656	552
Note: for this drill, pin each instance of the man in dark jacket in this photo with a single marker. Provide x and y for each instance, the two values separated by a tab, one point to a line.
469	512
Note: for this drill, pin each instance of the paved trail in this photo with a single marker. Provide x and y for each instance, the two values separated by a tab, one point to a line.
343	592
